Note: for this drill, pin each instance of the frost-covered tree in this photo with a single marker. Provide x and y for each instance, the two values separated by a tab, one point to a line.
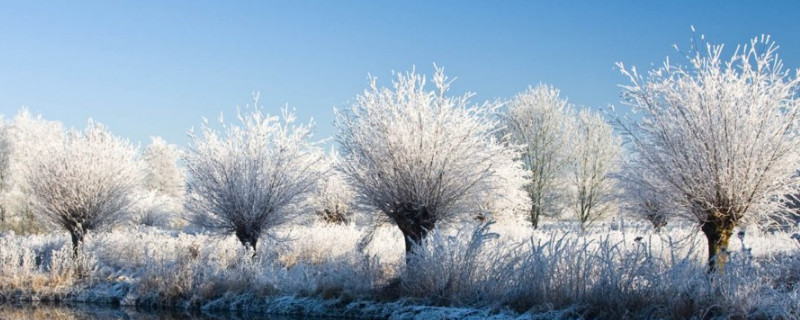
161	199
27	135
251	176
84	181
594	159
162	173
540	121
642	195
333	198
423	158
5	160
721	135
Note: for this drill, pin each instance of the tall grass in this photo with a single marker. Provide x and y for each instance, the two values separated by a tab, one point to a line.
499	269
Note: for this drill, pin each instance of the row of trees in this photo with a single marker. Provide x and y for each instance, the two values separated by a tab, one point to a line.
417	155
715	142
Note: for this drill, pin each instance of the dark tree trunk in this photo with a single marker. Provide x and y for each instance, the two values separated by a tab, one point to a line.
415	225
249	239
413	237
718	232
535	211
77	235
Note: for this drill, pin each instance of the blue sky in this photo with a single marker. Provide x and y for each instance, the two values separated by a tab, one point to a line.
157	67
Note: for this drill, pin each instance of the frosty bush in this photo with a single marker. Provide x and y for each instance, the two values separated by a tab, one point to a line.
720	136
85	181
252	176
153	209
421	157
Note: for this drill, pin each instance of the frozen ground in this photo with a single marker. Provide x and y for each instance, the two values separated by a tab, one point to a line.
482	272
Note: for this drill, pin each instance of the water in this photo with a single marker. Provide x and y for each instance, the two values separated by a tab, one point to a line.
91	312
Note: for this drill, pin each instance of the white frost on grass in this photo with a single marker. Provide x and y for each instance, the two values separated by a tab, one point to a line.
499	271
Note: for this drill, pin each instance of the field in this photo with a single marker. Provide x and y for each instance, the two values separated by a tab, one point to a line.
612	270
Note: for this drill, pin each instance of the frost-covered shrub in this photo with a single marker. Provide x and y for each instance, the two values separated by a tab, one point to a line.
38	267
155	210
455	269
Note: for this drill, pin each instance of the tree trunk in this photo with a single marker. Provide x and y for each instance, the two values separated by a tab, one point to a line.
77	235
413	237
415	225
718	233
248	239
535	211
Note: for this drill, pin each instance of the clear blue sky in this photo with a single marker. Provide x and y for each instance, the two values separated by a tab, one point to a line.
157	67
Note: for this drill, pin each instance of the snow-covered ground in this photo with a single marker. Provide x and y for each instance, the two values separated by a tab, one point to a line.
501	271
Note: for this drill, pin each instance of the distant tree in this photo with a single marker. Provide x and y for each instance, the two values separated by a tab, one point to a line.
423	158
719	135
161	198
154	209
539	121
84	181
333	198
252	176
594	160
643	195
162	173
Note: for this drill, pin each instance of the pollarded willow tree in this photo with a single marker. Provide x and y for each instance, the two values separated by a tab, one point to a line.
251	177
540	121
721	136
424	158
594	160
85	181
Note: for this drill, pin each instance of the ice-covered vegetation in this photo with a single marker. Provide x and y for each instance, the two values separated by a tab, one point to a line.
496	269
719	136
538	121
424	207
423	158
84	181
251	177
